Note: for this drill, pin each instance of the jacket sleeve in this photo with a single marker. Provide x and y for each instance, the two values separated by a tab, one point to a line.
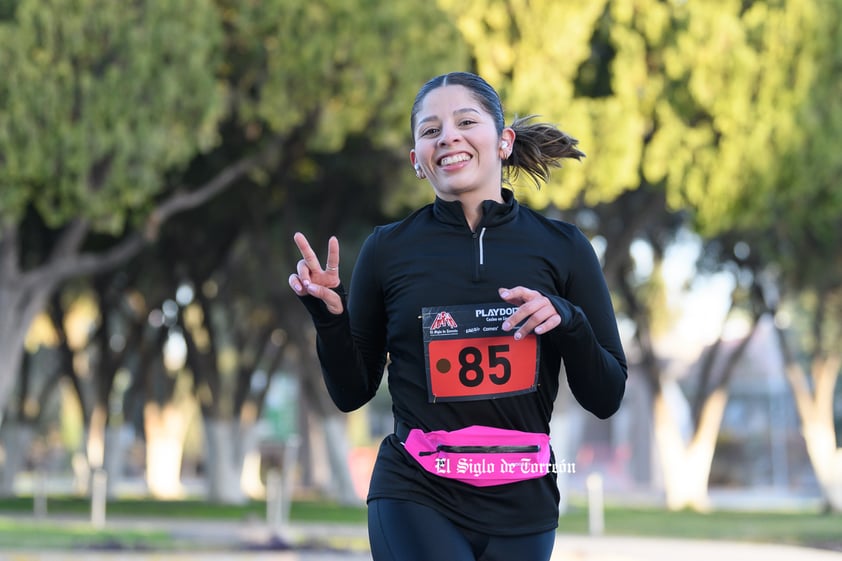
351	346
588	336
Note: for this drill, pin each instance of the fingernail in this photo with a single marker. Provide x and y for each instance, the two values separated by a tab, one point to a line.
518	336
506	326
539	330
505	294
297	287
306	282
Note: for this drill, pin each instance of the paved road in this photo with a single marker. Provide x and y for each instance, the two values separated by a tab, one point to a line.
569	548
579	548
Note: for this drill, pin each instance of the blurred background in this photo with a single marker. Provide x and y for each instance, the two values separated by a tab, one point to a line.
156	157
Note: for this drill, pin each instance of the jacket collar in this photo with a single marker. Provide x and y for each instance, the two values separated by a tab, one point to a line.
493	213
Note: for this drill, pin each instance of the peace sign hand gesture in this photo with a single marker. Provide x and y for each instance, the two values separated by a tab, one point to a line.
312	279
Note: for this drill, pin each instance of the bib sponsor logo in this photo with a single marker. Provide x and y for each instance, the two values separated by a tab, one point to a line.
495	312
443	321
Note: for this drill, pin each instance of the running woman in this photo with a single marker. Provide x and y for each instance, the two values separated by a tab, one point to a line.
476	301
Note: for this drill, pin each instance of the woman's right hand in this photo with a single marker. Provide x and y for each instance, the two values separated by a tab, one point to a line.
312	279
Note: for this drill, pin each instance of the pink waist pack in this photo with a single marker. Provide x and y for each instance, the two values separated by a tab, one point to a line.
481	456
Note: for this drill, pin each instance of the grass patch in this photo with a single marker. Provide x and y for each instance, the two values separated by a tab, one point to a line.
808	528
141	508
327	512
301	511
23	534
812	529
19	530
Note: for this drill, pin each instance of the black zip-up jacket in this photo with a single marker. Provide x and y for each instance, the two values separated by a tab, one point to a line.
432	258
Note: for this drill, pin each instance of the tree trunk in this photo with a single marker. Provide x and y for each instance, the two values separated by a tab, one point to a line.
316	464
251	481
327	431
825	457
224	461
114	461
165	427
686	464
18	309
336	441
686	467
566	427
17	441
96	437
815	409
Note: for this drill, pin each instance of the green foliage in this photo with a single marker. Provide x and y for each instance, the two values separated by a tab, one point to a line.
335	66
535	54
7	8
788	206
99	99
732	107
747	77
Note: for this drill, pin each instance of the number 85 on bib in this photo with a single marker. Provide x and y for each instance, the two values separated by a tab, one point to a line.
468	355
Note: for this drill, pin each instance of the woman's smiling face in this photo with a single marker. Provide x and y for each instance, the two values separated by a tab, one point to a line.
457	144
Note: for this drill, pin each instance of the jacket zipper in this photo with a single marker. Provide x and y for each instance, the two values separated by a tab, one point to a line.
479	251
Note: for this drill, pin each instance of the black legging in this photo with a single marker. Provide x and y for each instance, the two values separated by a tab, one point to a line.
407	531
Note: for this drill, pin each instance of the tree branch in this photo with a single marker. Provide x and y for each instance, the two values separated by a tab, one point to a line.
797	379
637	210
188	200
643	334
63	267
60	269
8	252
70	240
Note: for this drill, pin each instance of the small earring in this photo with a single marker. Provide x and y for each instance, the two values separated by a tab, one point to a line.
504	144
418	173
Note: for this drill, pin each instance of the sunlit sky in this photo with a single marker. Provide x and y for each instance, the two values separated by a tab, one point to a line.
700	302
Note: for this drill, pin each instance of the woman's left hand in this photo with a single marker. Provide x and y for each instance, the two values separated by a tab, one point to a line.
534	309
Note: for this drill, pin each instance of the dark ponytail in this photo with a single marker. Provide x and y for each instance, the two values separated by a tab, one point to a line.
538	147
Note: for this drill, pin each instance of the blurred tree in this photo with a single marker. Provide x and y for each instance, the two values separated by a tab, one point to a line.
226	328
103	106
689	106
355	70
813	361
795	268
107	331
785	214
93	113
318	206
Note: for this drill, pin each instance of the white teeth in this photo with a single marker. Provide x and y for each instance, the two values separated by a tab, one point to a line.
448	160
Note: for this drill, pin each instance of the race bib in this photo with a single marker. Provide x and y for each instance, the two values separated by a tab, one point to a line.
469	356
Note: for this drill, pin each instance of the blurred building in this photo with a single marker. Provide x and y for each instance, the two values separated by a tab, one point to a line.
759	447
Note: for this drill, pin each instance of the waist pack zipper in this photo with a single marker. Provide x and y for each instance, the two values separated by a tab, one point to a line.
481	449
